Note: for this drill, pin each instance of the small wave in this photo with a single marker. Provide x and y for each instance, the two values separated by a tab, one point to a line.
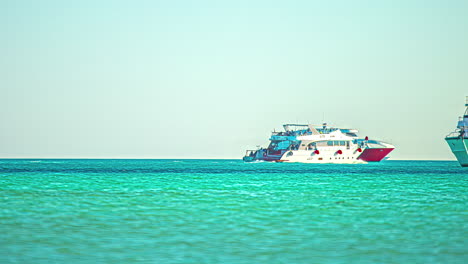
257	161
45	161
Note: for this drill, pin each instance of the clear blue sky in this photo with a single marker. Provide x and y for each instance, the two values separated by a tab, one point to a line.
209	79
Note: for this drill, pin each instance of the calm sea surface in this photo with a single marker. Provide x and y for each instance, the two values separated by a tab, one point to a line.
227	211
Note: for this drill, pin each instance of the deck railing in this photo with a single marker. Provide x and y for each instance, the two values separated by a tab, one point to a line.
455	134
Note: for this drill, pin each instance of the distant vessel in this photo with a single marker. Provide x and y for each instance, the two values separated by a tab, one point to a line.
319	144
458	140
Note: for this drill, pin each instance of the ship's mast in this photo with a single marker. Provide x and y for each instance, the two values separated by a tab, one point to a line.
463	123
466	110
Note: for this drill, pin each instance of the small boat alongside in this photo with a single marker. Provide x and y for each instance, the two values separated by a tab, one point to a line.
458	140
306	143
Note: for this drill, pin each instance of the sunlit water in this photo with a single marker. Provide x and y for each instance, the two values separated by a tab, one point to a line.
227	211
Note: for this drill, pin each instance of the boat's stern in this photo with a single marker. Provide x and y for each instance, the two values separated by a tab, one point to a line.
262	155
250	155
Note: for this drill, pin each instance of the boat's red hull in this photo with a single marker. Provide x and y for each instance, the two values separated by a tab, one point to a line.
374	154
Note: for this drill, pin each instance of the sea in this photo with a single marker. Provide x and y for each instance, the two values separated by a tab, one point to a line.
228	211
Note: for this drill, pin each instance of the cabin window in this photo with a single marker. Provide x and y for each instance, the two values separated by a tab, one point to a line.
330	143
320	143
342	143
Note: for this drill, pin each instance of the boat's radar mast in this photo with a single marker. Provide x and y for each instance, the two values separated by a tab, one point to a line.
463	122
466	105
464	119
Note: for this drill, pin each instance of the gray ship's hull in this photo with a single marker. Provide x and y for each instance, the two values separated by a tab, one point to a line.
459	147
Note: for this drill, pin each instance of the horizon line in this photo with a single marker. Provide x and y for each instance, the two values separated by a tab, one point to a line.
205	158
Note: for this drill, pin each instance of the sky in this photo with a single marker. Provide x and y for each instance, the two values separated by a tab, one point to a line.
210	79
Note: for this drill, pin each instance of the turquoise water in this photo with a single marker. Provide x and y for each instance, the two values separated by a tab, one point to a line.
227	211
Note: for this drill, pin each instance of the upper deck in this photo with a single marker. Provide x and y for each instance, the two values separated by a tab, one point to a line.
293	131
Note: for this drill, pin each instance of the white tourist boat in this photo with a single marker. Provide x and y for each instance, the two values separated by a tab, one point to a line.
307	143
458	140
